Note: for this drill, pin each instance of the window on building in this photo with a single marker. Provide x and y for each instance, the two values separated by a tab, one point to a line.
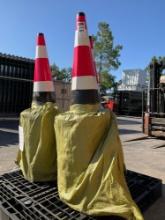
63	91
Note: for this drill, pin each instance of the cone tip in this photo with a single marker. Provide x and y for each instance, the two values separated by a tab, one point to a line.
40	39
80	13
81	17
40	34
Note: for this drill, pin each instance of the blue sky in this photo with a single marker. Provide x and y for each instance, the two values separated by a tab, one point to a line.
139	25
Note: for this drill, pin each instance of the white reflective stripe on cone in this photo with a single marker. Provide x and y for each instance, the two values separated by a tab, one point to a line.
41	52
84	83
81	39
43	86
21	138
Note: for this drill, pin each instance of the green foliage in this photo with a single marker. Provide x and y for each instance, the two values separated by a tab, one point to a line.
66	74
160	59
54	70
107	81
63	74
106	55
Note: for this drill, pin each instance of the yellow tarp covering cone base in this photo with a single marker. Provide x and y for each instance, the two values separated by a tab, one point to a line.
37	154
91	165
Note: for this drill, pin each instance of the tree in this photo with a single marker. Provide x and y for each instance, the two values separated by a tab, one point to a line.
55	70
66	73
106	55
63	74
159	59
107	81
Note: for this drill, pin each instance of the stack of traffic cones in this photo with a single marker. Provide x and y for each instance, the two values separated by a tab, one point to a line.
84	84
43	90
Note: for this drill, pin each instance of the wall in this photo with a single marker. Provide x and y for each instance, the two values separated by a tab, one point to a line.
63	92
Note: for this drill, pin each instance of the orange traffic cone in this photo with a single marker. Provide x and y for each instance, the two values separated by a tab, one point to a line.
84	84
43	90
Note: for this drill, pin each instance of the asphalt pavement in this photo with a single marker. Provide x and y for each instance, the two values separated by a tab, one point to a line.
143	155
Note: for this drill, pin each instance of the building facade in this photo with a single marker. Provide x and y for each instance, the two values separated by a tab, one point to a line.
133	80
63	94
16	86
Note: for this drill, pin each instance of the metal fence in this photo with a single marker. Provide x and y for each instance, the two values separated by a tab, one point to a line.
16	86
129	102
16	75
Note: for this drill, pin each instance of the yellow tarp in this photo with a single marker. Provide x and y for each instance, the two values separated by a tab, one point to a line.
37	154
90	163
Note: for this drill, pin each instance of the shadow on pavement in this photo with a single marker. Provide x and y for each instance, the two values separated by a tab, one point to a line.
128	122
156	211
128	131
8	138
9	124
8	131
